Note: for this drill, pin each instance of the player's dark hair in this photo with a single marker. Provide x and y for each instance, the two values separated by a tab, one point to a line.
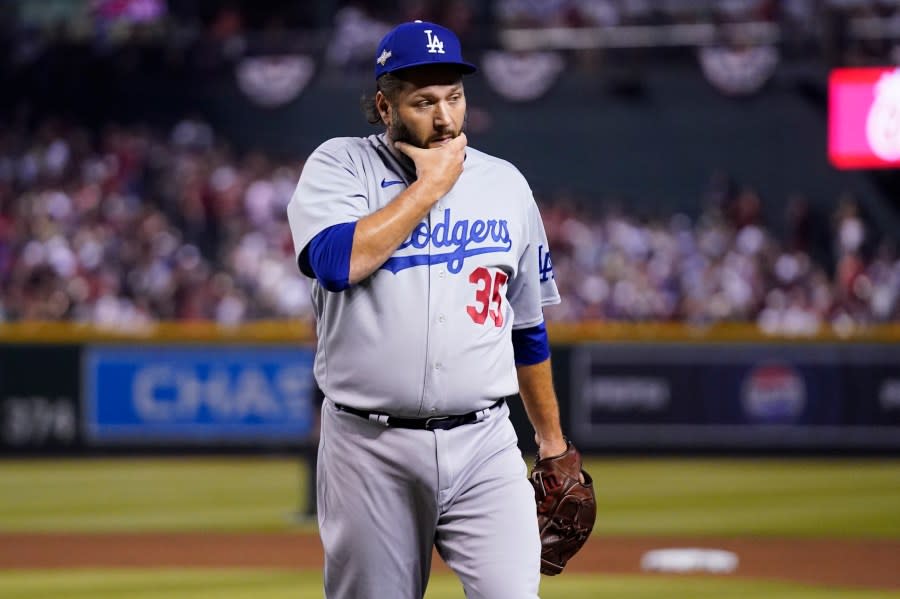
389	85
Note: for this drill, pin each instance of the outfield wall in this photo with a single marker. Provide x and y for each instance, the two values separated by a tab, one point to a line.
68	389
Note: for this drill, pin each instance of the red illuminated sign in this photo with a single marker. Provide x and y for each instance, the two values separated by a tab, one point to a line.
864	118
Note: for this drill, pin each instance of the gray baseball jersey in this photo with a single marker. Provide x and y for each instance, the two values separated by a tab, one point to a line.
429	332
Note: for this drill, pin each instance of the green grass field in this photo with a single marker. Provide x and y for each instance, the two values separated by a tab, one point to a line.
151	494
255	584
637	497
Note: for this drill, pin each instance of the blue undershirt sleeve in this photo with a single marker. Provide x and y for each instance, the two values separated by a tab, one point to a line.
531	345
328	256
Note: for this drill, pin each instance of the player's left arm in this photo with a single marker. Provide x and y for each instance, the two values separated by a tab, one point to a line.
533	288
567	507
542	407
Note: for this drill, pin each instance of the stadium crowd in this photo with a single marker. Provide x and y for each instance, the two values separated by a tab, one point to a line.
141	227
137	226
726	266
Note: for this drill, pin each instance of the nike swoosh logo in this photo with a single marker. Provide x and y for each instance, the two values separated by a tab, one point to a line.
386	183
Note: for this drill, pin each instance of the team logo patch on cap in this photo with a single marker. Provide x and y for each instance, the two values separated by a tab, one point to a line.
382	60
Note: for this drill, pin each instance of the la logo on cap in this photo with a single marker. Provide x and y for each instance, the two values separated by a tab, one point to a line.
434	45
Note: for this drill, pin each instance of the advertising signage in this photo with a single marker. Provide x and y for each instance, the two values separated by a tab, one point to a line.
864	118
198	395
763	396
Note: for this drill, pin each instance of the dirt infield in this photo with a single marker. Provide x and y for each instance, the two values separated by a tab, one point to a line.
862	563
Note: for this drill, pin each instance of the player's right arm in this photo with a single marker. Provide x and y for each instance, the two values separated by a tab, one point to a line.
332	228
378	235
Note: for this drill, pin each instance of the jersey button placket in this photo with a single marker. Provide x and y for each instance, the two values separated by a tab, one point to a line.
433	383
437	336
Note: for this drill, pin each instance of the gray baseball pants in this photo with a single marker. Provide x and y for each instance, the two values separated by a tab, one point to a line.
387	496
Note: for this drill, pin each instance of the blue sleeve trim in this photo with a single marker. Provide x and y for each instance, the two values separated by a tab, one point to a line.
329	256
531	345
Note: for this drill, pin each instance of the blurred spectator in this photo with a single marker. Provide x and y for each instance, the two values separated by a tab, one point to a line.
356	34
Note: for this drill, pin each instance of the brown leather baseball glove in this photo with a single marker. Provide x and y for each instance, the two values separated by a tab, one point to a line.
566	507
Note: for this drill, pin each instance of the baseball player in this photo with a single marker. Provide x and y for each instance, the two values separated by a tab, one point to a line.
431	268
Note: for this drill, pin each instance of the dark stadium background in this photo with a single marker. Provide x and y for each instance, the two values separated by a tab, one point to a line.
678	151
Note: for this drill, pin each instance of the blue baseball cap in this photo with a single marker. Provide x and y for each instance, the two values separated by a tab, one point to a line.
416	44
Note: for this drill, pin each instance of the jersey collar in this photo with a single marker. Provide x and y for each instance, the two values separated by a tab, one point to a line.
397	160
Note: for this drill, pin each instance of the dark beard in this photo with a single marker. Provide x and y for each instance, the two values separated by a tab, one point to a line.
398	131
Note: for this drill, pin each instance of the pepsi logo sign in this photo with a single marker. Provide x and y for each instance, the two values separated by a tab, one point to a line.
773	394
